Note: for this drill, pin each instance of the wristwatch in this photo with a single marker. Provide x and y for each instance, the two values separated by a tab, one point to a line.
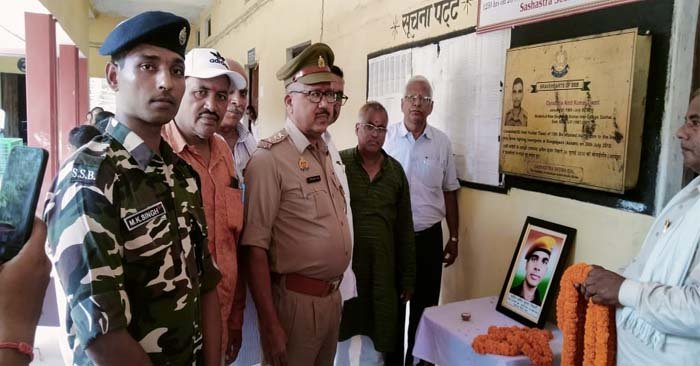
454	239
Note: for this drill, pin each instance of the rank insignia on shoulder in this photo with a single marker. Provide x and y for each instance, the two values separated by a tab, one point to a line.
276	138
81	173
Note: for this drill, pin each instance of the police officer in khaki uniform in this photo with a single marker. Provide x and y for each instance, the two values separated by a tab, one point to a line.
296	230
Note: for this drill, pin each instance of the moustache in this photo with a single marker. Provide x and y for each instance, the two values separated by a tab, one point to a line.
234	109
210	114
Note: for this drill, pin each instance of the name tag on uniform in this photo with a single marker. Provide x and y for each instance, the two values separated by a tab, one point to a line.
314	179
142	217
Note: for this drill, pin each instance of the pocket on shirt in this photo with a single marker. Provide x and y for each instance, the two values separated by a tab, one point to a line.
318	194
234	208
147	240
432	173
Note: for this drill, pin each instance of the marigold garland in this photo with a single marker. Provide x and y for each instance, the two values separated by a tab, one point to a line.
588	329
512	341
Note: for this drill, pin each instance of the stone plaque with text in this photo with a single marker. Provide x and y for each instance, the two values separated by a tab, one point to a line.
573	110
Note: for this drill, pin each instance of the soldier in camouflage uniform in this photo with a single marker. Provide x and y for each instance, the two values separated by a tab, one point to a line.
126	231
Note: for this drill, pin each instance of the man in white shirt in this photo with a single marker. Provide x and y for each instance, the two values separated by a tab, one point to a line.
232	129
658	294
425	153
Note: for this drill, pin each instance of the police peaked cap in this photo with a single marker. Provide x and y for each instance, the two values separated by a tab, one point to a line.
156	28
311	66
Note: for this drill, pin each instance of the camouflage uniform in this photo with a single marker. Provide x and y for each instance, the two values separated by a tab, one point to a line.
127	238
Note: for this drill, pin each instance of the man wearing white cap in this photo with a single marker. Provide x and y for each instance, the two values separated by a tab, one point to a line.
192	134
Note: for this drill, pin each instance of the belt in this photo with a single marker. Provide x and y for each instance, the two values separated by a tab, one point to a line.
307	285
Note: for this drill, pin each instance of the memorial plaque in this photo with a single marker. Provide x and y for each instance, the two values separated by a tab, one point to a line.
573	110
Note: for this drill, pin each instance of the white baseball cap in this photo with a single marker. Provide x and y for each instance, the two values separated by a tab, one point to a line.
207	63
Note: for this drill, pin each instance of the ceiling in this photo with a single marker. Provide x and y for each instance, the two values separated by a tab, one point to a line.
12	27
190	9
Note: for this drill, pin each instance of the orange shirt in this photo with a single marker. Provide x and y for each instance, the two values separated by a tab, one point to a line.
223	208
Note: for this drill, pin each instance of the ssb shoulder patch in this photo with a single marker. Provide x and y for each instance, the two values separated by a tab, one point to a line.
85	168
84	173
274	139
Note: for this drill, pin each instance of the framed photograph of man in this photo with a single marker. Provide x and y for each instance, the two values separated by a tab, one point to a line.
538	261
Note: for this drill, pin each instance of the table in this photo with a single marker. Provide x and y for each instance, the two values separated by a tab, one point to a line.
444	339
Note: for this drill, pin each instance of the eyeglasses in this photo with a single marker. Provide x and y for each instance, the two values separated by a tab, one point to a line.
315	96
417	99
341	98
370	128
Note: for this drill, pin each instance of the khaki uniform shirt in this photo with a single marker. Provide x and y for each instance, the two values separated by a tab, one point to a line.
295	207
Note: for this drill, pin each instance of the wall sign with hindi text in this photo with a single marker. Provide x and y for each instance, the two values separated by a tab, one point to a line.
573	110
498	14
446	14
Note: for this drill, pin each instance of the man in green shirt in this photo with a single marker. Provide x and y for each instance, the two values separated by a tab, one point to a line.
384	259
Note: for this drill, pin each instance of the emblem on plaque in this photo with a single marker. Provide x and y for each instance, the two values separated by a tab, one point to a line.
560	67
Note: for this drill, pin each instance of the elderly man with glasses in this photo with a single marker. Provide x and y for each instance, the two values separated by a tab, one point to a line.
426	155
384	254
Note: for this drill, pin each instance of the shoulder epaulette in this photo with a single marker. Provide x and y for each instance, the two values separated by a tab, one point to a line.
274	139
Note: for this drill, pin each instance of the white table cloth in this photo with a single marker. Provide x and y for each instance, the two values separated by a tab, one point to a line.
444	339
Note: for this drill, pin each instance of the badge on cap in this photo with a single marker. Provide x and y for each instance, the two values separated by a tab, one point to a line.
182	37
303	164
321	62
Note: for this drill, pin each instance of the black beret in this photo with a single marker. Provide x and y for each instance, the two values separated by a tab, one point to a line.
156	28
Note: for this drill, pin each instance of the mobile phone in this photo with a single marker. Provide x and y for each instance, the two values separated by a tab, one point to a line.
19	194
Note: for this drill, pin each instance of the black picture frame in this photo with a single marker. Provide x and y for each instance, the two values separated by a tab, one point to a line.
542	244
